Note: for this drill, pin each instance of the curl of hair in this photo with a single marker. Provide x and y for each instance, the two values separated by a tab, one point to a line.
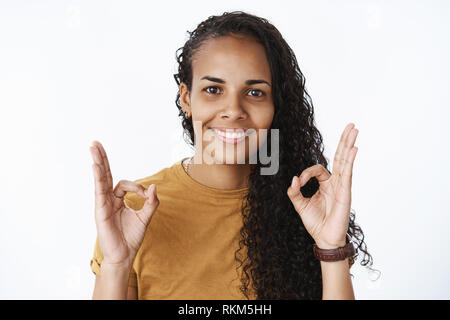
279	262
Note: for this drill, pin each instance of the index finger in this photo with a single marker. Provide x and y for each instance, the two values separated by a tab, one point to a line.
125	186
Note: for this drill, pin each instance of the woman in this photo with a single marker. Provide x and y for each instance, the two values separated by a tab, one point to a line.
220	229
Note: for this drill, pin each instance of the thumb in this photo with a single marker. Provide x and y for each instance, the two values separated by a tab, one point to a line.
150	205
296	196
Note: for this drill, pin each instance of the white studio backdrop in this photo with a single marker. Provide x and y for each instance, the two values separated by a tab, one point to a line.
76	71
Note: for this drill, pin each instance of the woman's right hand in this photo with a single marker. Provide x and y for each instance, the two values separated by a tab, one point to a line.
120	229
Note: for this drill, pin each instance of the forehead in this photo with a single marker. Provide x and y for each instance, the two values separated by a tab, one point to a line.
235	57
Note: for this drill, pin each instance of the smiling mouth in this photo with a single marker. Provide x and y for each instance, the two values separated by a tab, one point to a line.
231	135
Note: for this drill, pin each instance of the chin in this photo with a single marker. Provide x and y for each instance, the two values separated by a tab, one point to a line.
230	158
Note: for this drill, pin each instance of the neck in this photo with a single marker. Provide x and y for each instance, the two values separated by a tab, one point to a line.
221	176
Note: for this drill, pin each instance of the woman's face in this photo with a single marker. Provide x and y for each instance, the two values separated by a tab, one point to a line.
231	89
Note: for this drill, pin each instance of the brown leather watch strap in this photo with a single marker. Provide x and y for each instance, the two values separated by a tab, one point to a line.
337	254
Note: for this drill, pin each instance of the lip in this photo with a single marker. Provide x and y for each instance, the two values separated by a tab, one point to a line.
226	129
230	140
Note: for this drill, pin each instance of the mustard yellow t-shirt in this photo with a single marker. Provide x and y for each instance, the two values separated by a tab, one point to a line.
188	251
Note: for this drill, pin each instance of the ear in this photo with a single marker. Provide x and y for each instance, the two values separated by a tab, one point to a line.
185	98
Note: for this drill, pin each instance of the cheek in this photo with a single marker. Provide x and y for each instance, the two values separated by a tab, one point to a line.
201	109
202	115
263	117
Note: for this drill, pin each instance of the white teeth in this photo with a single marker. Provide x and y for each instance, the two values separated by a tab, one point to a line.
230	135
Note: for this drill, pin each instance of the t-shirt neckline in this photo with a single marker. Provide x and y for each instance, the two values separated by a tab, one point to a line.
197	186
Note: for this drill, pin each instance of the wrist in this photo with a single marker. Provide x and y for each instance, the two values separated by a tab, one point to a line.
338	251
116	268
326	245
112	282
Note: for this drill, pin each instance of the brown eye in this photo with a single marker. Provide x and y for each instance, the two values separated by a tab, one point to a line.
256	93
213	91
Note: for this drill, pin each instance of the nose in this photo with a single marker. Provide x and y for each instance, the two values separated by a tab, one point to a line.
233	110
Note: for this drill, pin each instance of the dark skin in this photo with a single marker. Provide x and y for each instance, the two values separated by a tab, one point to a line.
236	59
225	98
229	101
233	103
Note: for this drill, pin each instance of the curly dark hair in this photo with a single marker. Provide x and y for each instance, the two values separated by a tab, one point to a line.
279	262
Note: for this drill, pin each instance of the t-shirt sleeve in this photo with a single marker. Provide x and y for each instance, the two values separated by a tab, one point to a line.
98	255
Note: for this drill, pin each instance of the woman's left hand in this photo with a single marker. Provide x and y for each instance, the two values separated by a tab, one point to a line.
326	214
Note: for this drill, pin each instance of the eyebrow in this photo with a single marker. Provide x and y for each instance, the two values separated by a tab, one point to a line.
248	82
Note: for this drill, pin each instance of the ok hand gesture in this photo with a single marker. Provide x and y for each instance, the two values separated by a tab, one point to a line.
120	229
326	214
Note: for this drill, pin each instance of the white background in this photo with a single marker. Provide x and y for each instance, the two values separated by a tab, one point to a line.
75	71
